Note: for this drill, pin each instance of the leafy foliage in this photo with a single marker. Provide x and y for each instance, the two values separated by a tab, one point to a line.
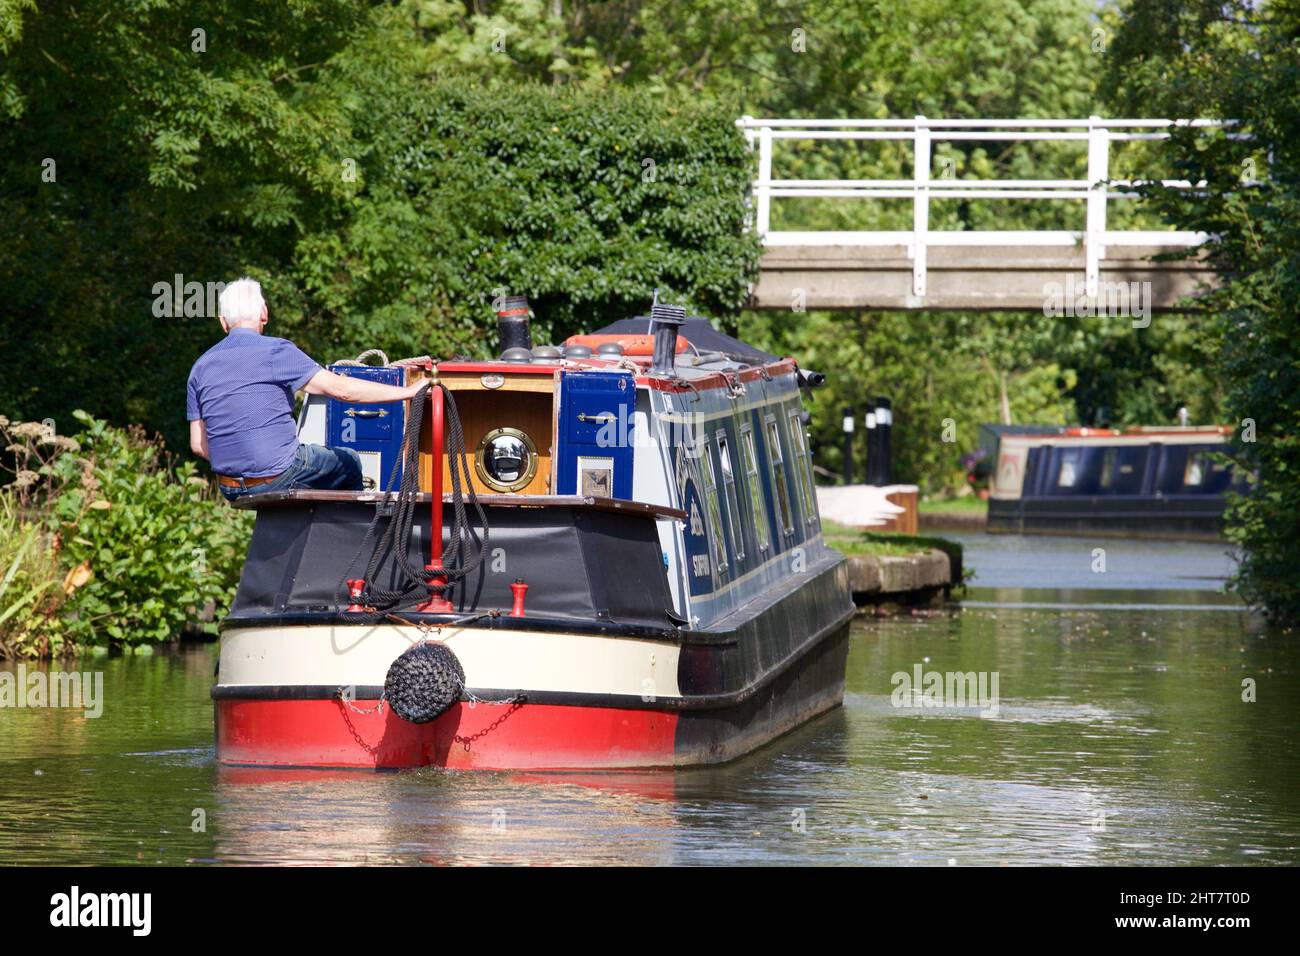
142	548
1239	61
30	595
946	374
586	203
306	146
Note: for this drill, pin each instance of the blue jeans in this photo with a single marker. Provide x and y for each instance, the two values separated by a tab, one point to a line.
314	466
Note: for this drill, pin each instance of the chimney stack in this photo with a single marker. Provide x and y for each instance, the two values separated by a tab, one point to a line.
665	320
512	324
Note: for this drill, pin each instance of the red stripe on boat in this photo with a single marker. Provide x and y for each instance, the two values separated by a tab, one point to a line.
327	733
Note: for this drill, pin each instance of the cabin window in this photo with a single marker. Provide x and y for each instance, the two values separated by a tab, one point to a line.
732	501
714	515
1203	469
759	516
506	460
1067	476
1122	469
803	467
1108	467
778	475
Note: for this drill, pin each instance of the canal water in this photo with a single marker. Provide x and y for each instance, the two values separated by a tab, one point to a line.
1140	717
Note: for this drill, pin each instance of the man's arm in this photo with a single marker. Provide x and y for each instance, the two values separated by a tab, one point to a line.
358	390
199	438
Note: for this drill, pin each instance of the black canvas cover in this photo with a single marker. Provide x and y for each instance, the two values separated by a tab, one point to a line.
592	566
701	333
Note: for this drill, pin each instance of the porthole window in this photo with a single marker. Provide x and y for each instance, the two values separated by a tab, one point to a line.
506	460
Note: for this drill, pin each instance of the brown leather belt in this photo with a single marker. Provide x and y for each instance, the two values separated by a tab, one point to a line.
227	482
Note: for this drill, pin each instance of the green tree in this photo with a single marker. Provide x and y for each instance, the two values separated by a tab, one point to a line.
306	145
585	201
1238	60
149	140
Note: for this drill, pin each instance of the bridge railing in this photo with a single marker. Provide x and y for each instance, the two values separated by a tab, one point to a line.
922	132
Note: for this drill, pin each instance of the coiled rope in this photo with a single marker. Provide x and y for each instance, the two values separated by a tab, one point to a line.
415	361
418	582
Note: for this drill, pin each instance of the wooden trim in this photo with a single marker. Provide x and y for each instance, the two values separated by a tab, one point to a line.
482	411
514	382
271	499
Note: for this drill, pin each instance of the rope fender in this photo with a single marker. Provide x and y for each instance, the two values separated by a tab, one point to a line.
423	681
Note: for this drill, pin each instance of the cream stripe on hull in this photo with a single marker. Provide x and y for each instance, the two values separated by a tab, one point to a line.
352	655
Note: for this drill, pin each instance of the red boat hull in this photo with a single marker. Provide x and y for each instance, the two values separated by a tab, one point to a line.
328	733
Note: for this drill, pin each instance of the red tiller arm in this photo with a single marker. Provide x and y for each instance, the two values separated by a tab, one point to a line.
437	602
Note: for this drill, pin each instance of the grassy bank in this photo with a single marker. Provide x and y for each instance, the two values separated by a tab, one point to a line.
853	542
967	505
856	543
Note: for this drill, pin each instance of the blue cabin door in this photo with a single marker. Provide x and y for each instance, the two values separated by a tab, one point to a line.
595	434
374	432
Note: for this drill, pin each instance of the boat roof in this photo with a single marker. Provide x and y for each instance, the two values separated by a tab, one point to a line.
702	336
708	355
1141	435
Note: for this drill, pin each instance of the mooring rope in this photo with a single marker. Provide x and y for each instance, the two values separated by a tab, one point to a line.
418	582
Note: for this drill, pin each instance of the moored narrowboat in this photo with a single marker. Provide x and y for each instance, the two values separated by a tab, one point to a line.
601	555
1155	482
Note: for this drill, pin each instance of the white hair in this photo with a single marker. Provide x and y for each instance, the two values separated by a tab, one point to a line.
242	302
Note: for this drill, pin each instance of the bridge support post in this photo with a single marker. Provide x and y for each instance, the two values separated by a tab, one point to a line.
920	204
763	191
1098	174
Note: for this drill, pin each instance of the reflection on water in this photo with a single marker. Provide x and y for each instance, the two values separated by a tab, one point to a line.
1120	736
1045	561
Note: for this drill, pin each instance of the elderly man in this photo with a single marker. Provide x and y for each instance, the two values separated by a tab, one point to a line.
240	406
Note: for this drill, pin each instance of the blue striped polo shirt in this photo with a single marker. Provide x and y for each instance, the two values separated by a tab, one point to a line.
243	389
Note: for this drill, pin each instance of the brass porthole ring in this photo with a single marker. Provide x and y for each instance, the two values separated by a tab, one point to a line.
494	450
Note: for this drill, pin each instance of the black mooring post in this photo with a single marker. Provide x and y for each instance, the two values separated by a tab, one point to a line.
872	438
848	445
884	441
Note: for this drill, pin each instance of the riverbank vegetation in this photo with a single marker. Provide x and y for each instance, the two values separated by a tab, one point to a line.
106	540
388	169
1239	60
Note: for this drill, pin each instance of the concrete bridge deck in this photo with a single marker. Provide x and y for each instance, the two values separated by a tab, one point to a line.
1076	271
987	278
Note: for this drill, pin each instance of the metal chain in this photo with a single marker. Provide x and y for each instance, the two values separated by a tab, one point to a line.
342	695
373	751
515	703
470	698
475	699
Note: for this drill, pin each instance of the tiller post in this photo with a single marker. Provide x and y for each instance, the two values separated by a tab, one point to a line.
437	603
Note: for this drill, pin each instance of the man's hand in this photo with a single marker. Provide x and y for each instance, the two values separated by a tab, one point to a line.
359	390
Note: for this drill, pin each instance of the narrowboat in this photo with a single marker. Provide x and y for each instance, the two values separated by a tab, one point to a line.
1152	482
605	554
